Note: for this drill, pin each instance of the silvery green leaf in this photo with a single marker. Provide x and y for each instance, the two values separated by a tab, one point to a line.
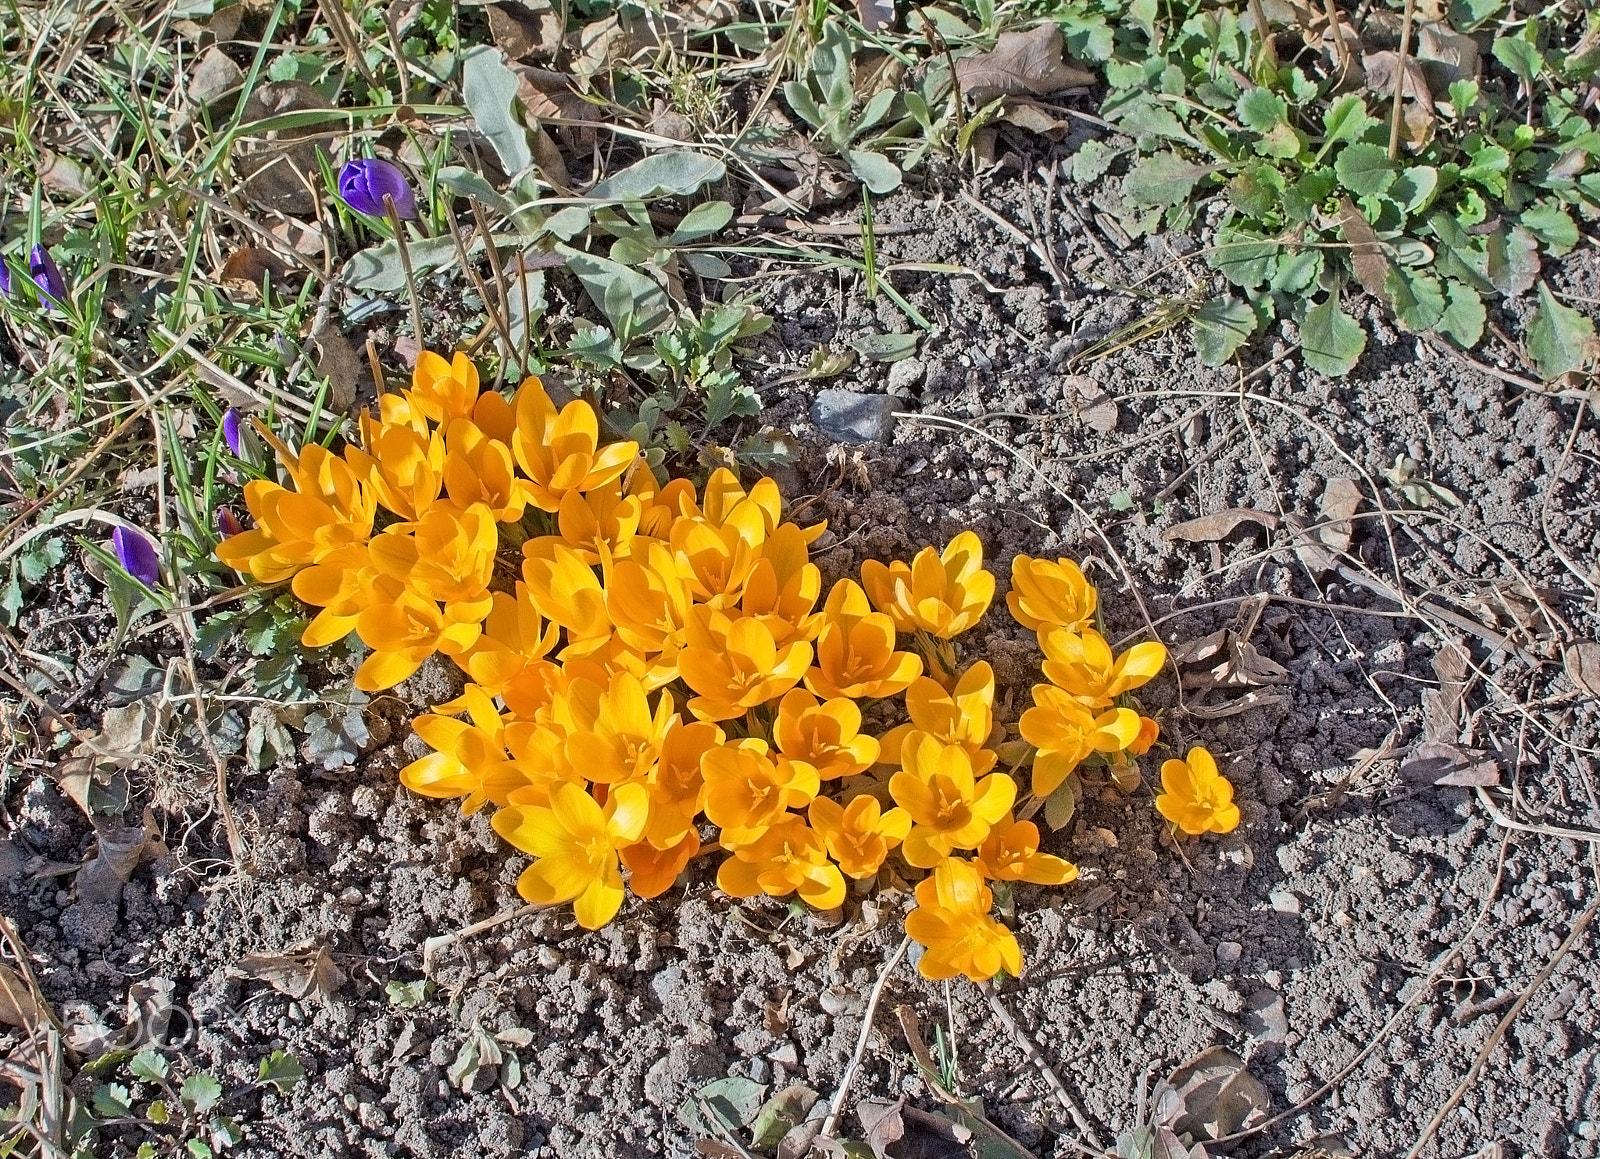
674	173
489	90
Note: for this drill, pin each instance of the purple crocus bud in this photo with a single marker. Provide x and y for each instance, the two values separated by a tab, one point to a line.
5	279
364	184
47	276
228	523
230	430
137	555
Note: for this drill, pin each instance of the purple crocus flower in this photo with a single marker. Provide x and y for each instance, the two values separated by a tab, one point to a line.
47	276
230	430
364	184
5	279
228	523
137	555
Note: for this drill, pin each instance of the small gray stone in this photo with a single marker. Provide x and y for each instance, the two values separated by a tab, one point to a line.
855	418
1228	953
1284	901
906	375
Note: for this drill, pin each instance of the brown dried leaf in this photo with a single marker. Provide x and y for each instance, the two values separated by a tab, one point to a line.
302	237
338	362
64	174
1219	1095
1096	408
1445	54
1341	500
1582	662
248	265
281	169
1036	118
1382	68
1219	525
18	1007
299	973
1435	762
1020	64
1366	255
525	32
119	850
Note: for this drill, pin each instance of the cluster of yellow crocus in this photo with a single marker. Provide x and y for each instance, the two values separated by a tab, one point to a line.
667	671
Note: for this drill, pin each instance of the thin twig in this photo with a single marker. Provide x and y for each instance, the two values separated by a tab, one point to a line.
836	1108
1500	1030
1400	78
434	944
405	264
1067	1099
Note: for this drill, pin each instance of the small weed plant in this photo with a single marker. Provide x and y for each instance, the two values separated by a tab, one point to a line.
667	675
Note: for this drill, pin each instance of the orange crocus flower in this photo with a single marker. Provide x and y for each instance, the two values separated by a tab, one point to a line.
786	858
402	635
826	735
858	835
1048	595
735	665
1011	853
953	925
747	790
1082	664
576	842
1196	797
950	808
855	649
941	593
1065	732
560	451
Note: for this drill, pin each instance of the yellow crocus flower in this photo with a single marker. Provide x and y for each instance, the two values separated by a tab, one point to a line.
949	807
440	390
855	649
940	593
716	561
747	790
1065	732
514	636
403	466
1082	664
446	556
952	924
470	757
565	590
734	665
783	587
1011	853
677	783
604	518
826	735
478	469
858	835
559	451
402	635
963	716
576	842
1047	595
1196	797
616	736
330	509
785	859
341	586
647	597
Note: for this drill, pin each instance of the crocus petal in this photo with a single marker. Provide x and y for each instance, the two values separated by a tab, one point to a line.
363	185
230	430
137	554
47	276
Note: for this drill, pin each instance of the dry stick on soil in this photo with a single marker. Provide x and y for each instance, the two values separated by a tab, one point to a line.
1080	1117
1399	78
434	944
836	1108
497	317
503	315
1046	259
1504	1025
404	246
1588	581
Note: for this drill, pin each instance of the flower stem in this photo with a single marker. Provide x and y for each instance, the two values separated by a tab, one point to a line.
405	264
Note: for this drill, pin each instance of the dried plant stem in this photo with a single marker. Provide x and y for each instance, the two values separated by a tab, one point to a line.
492	252
831	1123
497	318
433	945
1067	1099
405	264
1400	78
1504	1025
